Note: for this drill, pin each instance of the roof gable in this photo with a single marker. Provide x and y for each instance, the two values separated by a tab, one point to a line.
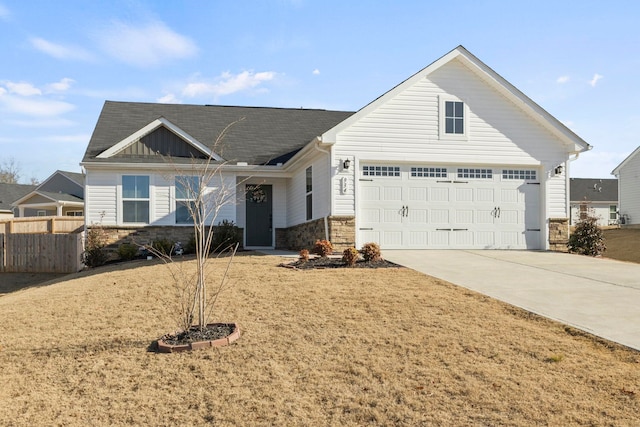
629	158
143	142
11	192
255	135
486	74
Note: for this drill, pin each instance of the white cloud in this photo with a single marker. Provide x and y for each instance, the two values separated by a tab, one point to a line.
595	79
562	79
169	99
60	51
23	89
146	45
228	83
315	72
35	106
61	86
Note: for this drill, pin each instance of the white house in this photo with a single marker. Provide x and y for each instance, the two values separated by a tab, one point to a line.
452	157
628	174
594	197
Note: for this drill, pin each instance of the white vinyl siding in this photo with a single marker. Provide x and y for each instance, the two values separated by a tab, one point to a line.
297	192
629	189
100	198
406	129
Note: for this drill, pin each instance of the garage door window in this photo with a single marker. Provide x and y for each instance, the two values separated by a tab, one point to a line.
419	172
392	171
526	175
475	173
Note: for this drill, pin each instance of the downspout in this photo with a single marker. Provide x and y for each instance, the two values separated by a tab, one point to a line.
316	146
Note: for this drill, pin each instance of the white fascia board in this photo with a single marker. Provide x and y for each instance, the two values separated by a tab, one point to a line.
250	170
30	195
150	128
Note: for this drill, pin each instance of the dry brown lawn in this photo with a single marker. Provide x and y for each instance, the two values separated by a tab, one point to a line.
623	244
322	347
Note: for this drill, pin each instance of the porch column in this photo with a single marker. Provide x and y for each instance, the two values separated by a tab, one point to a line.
59	213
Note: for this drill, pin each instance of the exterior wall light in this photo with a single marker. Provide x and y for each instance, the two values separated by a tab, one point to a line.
346	164
558	169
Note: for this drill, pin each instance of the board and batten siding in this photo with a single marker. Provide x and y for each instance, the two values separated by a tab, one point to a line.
297	191
406	129
629	189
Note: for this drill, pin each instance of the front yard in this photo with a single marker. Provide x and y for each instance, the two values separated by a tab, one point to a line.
320	347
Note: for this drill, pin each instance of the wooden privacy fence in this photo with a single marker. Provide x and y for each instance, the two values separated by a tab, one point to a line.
40	253
42	224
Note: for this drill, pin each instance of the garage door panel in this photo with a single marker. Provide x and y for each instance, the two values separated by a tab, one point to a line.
392	194
418	194
464	217
439	216
418	216
464	194
439	194
485	211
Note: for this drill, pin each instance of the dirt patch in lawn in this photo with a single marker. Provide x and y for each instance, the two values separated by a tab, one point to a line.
623	244
319	347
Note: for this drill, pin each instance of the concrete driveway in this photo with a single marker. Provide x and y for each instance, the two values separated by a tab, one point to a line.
600	296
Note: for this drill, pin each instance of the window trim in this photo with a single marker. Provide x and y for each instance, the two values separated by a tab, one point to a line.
443	99
124	199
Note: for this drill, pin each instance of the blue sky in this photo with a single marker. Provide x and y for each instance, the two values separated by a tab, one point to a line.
61	60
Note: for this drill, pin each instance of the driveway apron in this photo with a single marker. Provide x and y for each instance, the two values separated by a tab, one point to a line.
599	296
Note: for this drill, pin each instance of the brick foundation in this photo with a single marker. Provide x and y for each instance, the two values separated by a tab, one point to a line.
558	234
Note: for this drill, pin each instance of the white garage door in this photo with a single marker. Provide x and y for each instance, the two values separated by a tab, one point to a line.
429	207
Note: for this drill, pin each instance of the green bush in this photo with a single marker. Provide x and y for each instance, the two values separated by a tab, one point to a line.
371	252
95	254
127	251
587	238
350	256
226	234
323	248
163	246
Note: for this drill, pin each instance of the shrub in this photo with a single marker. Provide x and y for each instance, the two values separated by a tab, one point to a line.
350	256
163	246
587	239
95	254
323	248
371	252
127	251
304	255
225	234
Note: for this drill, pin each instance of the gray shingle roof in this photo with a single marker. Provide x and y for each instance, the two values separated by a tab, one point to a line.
73	176
265	136
9	193
61	197
593	190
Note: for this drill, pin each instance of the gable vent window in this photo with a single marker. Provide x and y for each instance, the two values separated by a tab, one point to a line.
526	175
454	117
135	199
475	173
393	171
429	172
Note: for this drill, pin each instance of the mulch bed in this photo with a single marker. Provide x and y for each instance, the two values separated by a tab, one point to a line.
334	262
209	333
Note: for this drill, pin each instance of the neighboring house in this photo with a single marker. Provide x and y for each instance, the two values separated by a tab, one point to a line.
8	194
62	194
453	157
594	197
628	174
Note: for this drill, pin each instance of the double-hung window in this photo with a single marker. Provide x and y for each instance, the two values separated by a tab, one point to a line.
453	117
309	182
187	190
135	199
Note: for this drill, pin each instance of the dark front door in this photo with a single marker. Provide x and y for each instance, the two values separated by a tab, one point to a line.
259	225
